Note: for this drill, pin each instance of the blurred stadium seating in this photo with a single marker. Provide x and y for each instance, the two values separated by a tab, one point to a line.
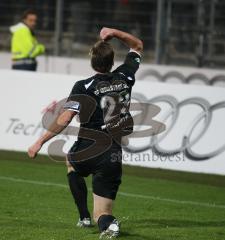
180	32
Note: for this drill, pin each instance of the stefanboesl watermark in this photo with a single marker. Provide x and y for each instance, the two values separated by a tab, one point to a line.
147	157
116	129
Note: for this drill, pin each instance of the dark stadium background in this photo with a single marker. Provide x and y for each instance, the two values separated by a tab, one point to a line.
183	32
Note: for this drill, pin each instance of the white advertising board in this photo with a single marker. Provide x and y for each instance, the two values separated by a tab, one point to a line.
194	117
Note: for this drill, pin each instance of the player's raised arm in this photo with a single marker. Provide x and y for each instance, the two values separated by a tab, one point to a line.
130	40
133	58
57	127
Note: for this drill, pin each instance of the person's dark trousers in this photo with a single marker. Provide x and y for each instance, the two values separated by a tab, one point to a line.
79	191
25	66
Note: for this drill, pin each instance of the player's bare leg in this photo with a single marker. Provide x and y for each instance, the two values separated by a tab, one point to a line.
102	206
70	168
78	189
108	225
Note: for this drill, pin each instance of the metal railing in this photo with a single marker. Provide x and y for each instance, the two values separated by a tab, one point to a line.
186	32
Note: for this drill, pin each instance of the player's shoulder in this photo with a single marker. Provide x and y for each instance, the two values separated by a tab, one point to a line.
84	84
87	83
130	65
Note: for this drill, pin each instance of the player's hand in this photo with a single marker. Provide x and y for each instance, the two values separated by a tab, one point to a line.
34	149
107	33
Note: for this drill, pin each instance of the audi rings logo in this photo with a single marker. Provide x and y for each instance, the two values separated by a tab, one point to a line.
184	79
188	141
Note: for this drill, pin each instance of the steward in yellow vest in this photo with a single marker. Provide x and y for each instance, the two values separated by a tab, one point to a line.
24	45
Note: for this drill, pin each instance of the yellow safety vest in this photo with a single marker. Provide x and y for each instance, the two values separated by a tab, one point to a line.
23	43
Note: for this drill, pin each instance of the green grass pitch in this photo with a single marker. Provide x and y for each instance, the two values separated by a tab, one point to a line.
35	203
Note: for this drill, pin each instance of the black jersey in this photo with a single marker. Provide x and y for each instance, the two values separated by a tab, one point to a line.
103	100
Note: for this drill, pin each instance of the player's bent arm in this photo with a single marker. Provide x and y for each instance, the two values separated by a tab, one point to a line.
130	40
57	127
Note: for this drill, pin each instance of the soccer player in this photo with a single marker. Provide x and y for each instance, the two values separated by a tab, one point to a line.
102	103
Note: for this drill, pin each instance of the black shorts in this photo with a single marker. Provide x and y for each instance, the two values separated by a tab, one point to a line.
106	169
